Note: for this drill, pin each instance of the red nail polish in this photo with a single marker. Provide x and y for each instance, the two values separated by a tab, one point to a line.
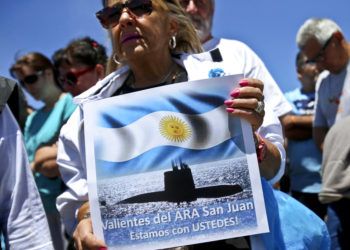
243	83
228	102
230	110
102	248
235	93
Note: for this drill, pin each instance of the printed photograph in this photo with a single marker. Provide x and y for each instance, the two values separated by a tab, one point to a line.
173	170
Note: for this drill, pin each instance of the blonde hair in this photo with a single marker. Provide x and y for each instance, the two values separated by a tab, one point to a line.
187	40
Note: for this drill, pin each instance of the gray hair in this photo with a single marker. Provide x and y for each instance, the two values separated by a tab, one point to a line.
319	28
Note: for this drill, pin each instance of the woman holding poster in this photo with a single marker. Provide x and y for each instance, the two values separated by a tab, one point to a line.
150	39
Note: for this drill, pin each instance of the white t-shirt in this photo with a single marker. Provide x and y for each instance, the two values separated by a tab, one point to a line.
329	88
238	58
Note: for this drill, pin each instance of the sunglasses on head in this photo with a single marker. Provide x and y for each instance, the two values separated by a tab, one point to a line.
109	16
71	78
31	79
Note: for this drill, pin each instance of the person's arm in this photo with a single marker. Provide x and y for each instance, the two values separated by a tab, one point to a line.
243	104
83	236
70	204
45	161
319	133
71	162
297	127
270	157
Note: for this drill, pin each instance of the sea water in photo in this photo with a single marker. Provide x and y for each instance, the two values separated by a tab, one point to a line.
143	223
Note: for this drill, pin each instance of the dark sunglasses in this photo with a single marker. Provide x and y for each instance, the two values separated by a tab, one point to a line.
109	16
71	78
320	54
31	79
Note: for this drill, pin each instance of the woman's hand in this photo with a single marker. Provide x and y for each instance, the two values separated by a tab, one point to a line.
83	235
85	239
248	102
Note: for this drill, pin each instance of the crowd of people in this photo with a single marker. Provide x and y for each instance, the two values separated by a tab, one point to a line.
300	136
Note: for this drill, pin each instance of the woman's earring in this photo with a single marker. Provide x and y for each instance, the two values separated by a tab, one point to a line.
115	59
172	42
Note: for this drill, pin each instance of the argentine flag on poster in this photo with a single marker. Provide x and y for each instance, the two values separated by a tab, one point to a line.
134	140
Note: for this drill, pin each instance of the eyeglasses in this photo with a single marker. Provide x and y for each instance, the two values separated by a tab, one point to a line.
71	78
109	16
320	55
31	79
198	3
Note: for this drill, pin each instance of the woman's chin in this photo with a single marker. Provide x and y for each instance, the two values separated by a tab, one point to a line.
134	53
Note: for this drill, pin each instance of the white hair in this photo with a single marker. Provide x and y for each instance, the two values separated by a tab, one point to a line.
319	28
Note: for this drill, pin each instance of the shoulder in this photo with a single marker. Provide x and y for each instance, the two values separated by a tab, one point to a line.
66	97
6	88
322	80
225	43
230	48
66	100
67	105
72	126
8	124
235	47
293	93
34	114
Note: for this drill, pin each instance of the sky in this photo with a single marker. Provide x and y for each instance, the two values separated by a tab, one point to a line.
269	27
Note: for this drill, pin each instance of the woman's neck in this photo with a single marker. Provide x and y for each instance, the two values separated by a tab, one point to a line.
54	94
149	73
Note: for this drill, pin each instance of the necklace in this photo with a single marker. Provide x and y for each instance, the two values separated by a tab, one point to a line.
165	78
171	75
180	75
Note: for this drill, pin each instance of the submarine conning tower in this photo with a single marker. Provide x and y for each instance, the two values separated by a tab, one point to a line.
179	183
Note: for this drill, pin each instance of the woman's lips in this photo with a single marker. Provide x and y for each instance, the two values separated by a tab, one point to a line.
127	38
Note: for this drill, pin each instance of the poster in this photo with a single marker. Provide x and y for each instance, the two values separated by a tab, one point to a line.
168	166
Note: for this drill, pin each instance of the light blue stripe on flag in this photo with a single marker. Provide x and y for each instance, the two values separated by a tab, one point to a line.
161	158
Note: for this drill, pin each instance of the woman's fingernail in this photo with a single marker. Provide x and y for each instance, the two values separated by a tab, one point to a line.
243	83
102	248
228	102
235	93
230	110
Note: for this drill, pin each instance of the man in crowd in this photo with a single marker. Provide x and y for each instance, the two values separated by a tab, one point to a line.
235	57
304	157
323	43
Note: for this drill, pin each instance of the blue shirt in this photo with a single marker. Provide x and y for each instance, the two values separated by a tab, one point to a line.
42	128
304	156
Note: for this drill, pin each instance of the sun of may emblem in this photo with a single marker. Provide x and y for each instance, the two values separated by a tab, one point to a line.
174	129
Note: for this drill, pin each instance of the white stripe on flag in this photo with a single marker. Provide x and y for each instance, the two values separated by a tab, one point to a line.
196	132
